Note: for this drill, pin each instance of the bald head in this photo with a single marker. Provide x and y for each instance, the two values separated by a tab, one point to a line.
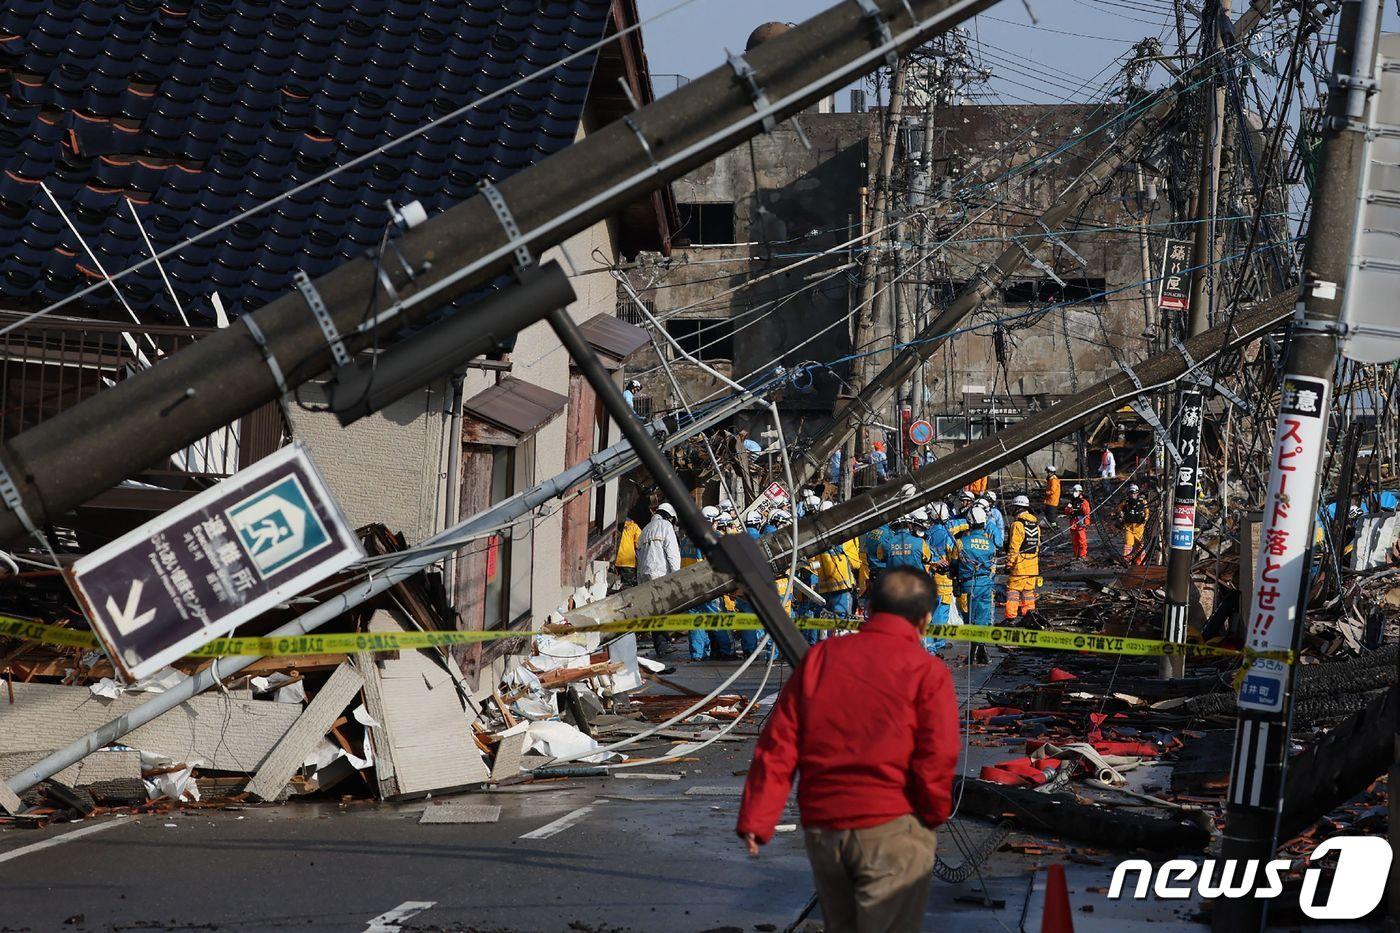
906	592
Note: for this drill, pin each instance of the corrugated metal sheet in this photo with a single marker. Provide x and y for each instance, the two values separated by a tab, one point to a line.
516	406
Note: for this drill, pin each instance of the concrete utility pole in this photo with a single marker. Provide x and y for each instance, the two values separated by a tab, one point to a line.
139	422
699	582
1181	522
868	306
1279	599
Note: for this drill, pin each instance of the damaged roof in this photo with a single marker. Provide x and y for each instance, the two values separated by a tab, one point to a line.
197	112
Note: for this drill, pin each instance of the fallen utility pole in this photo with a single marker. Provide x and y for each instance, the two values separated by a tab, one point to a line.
615	460
1180	522
700	582
1026	243
117	433
1280	585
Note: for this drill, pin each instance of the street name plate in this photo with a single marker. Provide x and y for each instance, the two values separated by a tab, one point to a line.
213	562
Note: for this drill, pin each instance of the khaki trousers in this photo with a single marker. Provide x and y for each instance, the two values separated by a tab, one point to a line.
873	880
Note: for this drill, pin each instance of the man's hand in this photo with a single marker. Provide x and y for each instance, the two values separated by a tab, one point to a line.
751	844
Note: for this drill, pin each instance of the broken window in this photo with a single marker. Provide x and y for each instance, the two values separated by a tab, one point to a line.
704	338
705	224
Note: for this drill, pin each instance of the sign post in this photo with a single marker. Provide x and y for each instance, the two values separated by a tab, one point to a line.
921	432
1176	281
1181	531
213	562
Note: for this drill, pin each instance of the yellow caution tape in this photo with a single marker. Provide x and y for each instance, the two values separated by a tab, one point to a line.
353	642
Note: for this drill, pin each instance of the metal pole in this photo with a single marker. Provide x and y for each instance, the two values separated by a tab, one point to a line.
616	459
1279	601
68	459
737	553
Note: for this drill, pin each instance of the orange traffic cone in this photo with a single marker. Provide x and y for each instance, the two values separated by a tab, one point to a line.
1056	918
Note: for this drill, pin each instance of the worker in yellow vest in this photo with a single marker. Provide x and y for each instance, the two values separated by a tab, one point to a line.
1022	559
625	562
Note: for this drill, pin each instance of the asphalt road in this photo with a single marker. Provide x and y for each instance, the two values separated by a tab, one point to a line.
601	854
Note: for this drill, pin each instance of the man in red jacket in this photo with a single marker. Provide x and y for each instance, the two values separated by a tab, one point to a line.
871	722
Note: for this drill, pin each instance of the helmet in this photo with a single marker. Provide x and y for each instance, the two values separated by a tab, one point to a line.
826	504
1023	502
939	511
966	496
991	496
780	517
811	499
754	518
977	514
726	505
1354	512
984	502
666	508
725	519
710	512
907	490
633	384
921	516
1076	489
1050	468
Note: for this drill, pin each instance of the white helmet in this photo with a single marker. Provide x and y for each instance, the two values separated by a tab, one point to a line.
991	496
921	516
977	515
726	505
939	511
827	504
666	508
754	518
1023	502
1050	468
725	519
966	496
780	517
1132	487
1354	511
907	490
710	512
811	499
1076	489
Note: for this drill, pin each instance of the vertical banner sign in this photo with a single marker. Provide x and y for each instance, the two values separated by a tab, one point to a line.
1281	567
1176	283
1188	444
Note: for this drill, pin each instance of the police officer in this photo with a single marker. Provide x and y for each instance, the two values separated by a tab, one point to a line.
976	565
706	644
942	546
996	522
1022	559
903	547
1132	514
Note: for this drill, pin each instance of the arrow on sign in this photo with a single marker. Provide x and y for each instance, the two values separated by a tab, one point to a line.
131	618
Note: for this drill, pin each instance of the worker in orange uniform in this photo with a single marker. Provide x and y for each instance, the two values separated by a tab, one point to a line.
1077	508
977	486
626	560
1022	559
1133	514
1052	496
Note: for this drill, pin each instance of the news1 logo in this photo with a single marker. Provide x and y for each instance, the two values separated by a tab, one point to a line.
1363	863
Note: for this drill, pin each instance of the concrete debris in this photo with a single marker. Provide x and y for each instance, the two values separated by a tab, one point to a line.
330	701
455	812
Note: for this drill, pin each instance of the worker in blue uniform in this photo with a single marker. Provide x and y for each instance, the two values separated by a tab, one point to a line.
975	557
903	547
706	644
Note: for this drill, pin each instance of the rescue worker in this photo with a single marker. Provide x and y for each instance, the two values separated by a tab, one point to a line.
626	560
1077	508
838	569
1052	496
977	486
1108	470
957	522
659	554
690	551
976	559
996	522
1022	559
941	545
1133	515
709	644
902	547
880	461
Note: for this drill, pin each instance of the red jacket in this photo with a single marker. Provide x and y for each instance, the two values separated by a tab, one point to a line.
871	722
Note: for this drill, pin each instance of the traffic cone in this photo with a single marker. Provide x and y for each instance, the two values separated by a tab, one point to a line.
1055	917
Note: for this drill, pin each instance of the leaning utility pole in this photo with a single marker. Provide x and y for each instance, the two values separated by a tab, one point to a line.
140	421
868	308
700	581
1181	520
1279	599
